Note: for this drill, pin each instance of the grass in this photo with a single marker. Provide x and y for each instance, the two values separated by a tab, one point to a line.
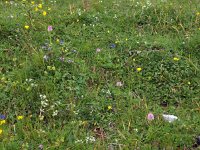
91	82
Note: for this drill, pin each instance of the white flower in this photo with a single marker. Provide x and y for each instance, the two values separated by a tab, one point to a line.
169	118
44	104
90	139
119	84
41	117
44	96
55	113
79	141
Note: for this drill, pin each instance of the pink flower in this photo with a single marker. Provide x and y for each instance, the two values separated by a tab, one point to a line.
40	147
50	28
150	117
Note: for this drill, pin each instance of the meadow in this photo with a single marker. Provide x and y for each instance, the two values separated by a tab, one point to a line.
99	74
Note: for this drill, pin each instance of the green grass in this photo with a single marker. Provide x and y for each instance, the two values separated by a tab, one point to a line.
67	92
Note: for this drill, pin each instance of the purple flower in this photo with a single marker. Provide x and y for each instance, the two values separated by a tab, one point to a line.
2	117
112	45
62	42
50	28
150	117
49	48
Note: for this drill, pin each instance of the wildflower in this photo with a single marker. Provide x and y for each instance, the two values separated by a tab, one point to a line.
198	13
150	116
1	131
136	130
112	45
176	59
117	41
74	51
98	50
44	13
62	42
139	69
50	28
46	57
169	118
20	117
90	139
2	122
62	59
40	146
49	67
26	27
14	59
55	113
119	84
57	40
79	141
43	96
53	68
2	117
40	6
36	8
109	107
32	2
41	117
70	61
49	48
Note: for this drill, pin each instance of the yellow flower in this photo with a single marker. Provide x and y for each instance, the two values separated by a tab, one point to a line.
2	122
139	69
44	13
109	107
26	27
57	40
49	67
40	6
36	9
176	59
20	117
53	68
32	2
1	131
198	13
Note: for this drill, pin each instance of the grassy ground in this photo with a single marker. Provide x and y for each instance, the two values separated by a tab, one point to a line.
91	82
